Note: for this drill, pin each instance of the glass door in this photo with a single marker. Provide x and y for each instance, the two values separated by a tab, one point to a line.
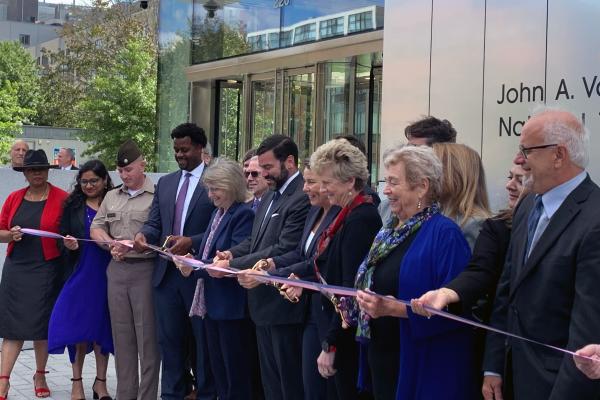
227	138
263	110
298	109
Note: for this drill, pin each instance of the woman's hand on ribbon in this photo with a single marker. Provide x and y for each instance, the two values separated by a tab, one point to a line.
71	243
591	368
185	269
379	306
291	292
221	264
15	233
437	299
325	364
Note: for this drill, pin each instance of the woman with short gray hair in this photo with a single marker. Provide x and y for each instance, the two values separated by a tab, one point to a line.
419	250
342	171
222	302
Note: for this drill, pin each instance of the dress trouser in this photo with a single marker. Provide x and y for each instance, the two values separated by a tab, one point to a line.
133	328
172	302
280	356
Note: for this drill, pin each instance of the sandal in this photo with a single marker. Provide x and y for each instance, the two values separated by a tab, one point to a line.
40	392
77	380
96	397
5	396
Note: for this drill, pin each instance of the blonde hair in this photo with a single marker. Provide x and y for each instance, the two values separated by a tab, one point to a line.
464	191
344	160
227	175
420	162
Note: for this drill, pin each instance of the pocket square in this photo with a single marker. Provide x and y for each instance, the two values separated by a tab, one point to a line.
275	215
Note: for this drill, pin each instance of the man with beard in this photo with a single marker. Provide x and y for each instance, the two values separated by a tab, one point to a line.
178	218
277	229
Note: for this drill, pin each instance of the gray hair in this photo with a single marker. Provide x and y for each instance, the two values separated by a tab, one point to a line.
344	160
70	152
574	136
420	162
227	175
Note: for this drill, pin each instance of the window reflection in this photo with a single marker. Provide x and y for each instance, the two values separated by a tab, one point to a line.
246	26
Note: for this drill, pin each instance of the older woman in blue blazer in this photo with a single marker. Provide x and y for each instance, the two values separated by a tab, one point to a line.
222	302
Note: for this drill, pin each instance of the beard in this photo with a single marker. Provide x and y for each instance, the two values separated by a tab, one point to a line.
281	179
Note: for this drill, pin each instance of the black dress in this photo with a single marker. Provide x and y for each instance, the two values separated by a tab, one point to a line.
29	284
384	346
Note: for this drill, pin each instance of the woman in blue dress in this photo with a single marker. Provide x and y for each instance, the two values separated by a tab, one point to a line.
411	357
80	320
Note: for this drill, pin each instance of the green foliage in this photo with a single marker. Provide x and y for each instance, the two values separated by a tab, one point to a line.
19	88
106	81
120	103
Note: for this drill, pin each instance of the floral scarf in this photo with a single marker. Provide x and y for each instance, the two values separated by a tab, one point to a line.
385	242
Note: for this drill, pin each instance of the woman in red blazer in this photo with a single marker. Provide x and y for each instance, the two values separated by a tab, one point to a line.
31	275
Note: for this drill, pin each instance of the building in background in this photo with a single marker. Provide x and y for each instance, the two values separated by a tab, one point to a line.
246	69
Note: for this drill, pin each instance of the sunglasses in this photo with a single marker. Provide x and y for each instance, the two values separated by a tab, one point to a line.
253	173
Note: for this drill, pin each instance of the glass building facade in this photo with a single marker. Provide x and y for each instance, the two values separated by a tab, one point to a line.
310	102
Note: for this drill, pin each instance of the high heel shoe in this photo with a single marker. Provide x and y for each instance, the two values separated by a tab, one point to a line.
96	397
5	397
42	392
77	380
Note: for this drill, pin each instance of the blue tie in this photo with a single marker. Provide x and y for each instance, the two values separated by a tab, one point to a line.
532	222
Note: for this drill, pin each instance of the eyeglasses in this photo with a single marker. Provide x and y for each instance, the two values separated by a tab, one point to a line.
253	173
526	150
91	182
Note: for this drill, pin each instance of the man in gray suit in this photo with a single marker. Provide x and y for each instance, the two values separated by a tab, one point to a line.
277	229
549	287
178	218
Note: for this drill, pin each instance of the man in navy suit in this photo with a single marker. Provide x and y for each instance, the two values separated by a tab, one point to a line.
277	229
548	291
180	212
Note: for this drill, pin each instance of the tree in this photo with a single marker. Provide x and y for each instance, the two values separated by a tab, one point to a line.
120	103
19	87
91	77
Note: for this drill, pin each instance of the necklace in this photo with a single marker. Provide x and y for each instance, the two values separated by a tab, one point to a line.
44	195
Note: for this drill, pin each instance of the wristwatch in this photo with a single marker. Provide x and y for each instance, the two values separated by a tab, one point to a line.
326	347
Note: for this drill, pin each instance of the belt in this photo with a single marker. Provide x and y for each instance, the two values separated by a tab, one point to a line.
136	260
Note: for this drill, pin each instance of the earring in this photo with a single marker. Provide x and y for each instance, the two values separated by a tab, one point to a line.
419	204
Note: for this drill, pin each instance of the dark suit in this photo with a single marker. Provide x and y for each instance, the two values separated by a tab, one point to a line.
173	294
300	262
552	298
229	331
278	322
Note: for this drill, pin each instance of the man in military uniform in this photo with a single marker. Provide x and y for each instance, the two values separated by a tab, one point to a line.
121	215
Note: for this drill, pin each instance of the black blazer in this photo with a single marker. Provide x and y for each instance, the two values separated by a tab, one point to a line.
279	234
299	261
340	261
162	213
480	277
551	298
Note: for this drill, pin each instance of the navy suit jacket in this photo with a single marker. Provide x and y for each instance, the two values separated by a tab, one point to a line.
225	298
299	261
280	233
551	297
162	213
